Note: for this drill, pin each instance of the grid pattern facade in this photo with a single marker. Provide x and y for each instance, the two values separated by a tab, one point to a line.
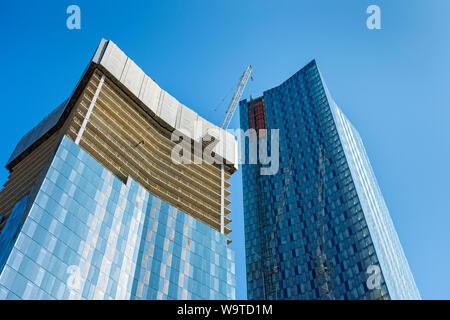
399	278
290	247
87	235
257	114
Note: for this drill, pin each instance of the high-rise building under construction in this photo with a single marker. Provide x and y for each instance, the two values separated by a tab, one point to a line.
96	208
318	228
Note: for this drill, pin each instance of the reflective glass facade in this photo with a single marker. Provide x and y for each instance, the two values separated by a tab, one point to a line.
87	235
319	228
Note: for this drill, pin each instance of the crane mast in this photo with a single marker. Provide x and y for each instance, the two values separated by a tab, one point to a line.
322	267
268	225
225	123
236	96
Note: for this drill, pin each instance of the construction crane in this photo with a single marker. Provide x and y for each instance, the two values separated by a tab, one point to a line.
267	229
272	268
321	266
236	96
268	270
225	123
268	225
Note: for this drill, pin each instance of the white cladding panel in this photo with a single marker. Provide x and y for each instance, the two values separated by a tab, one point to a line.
163	104
168	109
150	93
188	121
207	128
114	60
230	147
226	148
132	77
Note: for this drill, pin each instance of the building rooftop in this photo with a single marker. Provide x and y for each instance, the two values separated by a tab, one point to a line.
164	107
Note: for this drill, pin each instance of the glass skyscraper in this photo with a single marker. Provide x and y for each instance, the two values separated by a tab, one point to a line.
94	208
318	228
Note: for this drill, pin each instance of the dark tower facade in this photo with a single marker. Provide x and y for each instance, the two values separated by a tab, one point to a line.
319	228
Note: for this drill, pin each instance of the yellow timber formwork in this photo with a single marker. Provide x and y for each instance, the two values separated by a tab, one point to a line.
24	174
129	142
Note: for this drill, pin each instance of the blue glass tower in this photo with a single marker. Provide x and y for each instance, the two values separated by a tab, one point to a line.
94	208
318	228
87	235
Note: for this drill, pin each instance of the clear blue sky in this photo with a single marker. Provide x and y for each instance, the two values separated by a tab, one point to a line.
392	83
